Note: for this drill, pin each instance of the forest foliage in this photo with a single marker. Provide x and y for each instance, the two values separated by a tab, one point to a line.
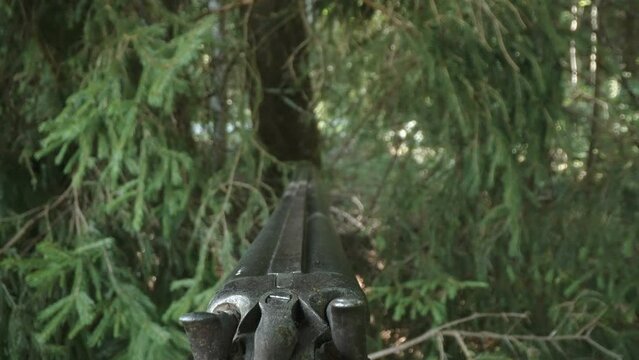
483	157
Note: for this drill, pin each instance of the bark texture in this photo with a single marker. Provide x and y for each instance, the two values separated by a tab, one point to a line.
281	88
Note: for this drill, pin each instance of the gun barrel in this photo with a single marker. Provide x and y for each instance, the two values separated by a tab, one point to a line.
293	290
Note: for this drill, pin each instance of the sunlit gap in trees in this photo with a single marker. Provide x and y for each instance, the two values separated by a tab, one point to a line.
203	131
409	140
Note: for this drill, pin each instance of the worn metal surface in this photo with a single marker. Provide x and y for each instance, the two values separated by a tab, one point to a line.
292	296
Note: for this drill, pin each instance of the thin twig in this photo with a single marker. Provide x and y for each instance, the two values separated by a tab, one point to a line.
539	338
446	331
24	228
462	346
602	349
225	8
500	40
19	234
394	18
440	347
382	184
587	329
434	331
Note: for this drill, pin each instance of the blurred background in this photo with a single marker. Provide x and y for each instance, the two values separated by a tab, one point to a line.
482	156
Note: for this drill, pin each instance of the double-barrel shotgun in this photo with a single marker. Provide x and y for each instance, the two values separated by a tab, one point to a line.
293	294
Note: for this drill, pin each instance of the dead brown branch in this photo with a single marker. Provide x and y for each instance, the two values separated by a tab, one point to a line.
447	330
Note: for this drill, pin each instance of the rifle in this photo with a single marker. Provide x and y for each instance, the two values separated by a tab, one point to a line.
292	295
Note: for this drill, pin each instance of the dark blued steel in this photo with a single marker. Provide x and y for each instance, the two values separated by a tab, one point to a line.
276	334
293	291
288	254
347	318
210	334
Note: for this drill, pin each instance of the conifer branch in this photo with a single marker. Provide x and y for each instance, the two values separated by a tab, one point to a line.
394	18
27	225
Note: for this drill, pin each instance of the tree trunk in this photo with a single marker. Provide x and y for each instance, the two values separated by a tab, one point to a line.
281	89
